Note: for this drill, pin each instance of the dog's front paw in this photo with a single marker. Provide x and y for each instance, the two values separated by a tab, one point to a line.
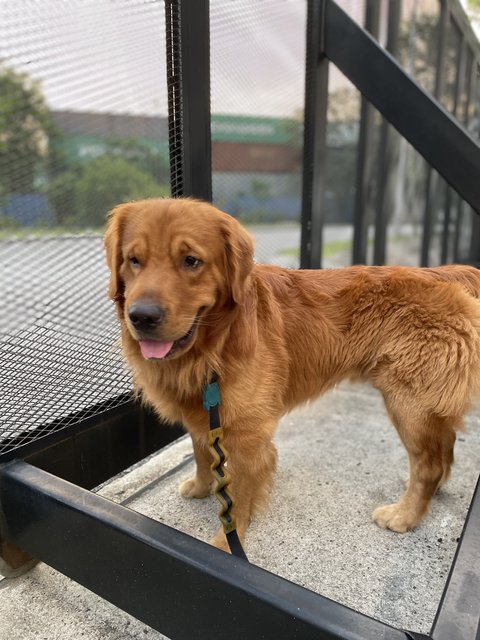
193	488
394	517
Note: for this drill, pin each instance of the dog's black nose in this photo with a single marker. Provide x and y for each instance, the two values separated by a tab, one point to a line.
145	315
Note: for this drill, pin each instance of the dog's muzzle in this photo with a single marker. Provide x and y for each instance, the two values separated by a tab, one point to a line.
145	317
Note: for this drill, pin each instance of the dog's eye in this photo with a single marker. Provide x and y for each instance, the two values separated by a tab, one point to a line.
190	262
134	261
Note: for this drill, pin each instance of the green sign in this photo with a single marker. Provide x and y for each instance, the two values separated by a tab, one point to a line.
86	148
251	129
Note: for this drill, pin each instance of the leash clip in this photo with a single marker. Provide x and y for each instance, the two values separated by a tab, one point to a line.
211	395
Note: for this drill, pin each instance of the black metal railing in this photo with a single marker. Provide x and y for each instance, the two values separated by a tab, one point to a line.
418	116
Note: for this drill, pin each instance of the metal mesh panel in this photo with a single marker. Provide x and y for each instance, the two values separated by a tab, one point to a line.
257	95
174	80
83	126
57	336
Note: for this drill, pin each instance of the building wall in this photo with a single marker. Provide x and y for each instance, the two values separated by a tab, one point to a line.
254	157
239	144
87	123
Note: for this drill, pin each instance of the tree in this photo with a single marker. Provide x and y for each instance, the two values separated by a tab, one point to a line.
139	153
106	182
25	129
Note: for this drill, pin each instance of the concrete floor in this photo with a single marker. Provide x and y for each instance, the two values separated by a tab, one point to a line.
339	458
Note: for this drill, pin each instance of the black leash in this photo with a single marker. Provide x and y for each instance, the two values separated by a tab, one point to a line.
211	403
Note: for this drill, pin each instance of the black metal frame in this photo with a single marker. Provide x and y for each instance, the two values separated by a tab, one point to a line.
188	78
105	547
171	581
458	615
99	445
124	556
314	141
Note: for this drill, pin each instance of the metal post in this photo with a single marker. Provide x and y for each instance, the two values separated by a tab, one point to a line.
188	79
459	86
385	148
474	254
364	154
315	139
431	179
471	78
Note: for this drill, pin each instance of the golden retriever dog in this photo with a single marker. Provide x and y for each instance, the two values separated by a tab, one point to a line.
192	303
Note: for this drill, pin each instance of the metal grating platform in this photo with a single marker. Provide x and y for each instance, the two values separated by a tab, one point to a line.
83	127
58	337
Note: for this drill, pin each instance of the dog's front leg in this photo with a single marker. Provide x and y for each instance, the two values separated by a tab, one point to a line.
252	460
200	484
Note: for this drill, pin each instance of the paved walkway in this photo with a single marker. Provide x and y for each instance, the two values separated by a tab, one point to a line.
339	458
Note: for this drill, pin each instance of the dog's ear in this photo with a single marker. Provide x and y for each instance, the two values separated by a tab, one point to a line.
238	258
113	249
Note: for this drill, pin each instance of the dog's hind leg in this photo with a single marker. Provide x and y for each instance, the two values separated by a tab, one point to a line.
429	441
448	444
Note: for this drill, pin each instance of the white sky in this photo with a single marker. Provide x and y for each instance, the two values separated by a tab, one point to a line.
109	55
475	21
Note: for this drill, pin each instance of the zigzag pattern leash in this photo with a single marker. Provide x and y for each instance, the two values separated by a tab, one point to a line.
211	403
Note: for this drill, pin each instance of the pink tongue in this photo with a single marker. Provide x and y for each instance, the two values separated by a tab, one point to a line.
154	349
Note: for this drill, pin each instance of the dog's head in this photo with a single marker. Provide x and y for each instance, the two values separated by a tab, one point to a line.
173	263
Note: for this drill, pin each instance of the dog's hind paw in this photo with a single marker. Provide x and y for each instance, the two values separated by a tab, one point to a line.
394	517
192	488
